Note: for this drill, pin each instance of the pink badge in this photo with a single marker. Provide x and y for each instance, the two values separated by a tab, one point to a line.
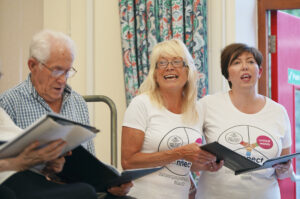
264	142
199	141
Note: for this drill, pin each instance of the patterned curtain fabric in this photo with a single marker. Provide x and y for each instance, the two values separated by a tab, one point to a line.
147	22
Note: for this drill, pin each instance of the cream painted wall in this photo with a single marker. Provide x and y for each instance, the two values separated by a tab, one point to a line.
105	50
69	17
109	78
19	20
95	28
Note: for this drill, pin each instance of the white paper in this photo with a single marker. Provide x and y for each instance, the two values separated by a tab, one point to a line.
46	130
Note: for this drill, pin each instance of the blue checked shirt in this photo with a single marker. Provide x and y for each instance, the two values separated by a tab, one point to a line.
24	105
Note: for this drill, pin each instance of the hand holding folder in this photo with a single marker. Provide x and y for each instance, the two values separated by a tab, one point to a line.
48	128
240	164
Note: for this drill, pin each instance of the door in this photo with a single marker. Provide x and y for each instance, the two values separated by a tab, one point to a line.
285	73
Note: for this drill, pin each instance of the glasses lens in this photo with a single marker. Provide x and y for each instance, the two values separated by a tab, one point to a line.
71	73
163	63
177	63
57	73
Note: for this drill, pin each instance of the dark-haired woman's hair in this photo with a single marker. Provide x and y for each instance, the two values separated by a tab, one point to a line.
232	52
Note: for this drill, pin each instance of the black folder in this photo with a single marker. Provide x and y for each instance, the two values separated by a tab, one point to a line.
240	164
82	166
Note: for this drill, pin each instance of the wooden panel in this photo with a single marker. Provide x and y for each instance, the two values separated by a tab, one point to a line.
285	28
263	6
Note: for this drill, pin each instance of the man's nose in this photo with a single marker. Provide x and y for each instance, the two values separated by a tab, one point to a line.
63	77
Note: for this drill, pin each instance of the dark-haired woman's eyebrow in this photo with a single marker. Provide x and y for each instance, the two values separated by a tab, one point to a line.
250	57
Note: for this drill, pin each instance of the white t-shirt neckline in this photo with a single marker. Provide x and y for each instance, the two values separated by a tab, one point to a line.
171	114
227	97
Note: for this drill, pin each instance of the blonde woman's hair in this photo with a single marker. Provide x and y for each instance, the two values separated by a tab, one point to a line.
173	48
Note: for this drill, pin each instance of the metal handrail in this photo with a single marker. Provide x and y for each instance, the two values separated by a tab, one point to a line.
113	123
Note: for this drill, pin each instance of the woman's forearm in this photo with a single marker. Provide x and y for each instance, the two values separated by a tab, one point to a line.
145	160
188	152
132	157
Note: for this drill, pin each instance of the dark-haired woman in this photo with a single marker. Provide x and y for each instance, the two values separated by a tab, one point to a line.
249	124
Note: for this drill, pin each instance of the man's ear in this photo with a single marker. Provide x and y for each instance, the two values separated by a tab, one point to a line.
32	64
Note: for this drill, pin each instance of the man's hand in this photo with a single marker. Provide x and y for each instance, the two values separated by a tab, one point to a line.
54	166
121	190
32	156
57	165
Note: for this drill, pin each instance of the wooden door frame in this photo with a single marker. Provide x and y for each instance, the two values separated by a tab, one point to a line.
263	6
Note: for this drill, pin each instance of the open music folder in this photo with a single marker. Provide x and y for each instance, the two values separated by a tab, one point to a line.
82	166
240	164
48	128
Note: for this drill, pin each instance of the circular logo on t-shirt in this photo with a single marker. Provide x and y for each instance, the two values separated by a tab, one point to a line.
251	142
178	137
233	137
174	142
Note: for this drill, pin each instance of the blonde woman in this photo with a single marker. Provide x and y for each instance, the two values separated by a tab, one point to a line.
162	125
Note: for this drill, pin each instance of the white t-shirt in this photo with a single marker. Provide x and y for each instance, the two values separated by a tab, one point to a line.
8	130
258	136
163	130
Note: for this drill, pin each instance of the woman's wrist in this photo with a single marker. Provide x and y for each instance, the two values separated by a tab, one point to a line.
286	174
178	152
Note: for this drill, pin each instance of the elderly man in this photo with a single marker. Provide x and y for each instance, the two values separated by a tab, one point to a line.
46	90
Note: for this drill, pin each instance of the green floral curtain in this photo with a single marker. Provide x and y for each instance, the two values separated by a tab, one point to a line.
147	22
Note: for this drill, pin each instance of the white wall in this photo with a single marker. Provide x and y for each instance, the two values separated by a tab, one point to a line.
229	21
246	22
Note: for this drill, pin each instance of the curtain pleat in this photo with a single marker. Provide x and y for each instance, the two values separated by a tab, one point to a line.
144	23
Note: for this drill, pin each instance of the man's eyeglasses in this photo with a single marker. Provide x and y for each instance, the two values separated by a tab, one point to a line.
57	73
162	64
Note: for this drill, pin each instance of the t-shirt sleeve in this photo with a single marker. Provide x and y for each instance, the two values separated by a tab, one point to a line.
201	107
200	110
201	103
136	114
287	140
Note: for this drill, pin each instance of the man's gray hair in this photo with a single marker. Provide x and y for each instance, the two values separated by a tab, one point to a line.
41	42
